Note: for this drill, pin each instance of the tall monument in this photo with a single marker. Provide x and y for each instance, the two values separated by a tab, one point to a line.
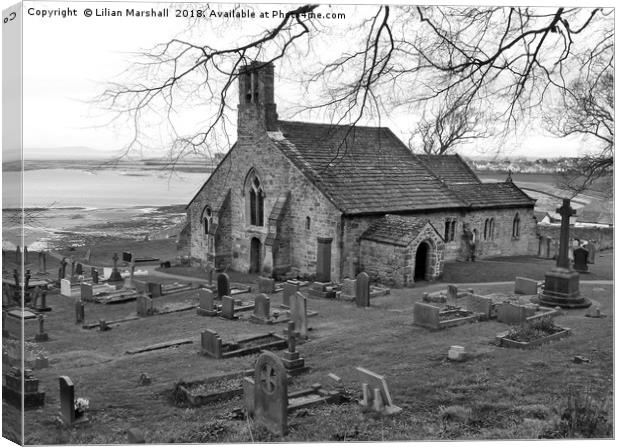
562	282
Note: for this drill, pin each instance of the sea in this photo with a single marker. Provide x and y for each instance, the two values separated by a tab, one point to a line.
103	201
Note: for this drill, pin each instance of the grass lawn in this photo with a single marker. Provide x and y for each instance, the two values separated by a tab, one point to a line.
498	393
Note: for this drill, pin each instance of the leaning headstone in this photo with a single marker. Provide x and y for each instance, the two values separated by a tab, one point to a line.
288	290
65	287
223	285
349	289
376	394
526	286
206	306
362	291
228	308
426	315
453	292
271	394
299	314
580	256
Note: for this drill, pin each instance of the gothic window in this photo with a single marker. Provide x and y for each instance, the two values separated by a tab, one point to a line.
491	228
256	201
450	229
486	229
207	219
308	221
515	226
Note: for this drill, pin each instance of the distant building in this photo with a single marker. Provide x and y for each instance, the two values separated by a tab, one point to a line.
396	215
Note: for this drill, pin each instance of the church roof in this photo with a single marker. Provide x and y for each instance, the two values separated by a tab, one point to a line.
484	195
452	169
362	169
395	230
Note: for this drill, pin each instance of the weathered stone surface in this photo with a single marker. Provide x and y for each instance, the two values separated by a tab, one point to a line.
381	398
299	313
223	285
67	399
266	285
426	315
211	344
580	256
452	295
144	306
513	314
288	290
228	308
478	304
349	289
526	286
206	306
362	290
271	394
262	309
65	287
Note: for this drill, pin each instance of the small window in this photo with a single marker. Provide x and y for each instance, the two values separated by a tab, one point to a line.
449	229
515	226
486	229
308	222
207	219
492	228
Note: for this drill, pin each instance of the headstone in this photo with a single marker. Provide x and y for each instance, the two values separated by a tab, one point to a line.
324	259
127	256
63	268
103	326
25	255
452	295
87	255
22	389
228	308
223	285
426	315
580	255
41	304
72	268
67	399
206	306
79	311
381	400
288	290
94	273
299	314
144	306
514	314
293	362
362	290
211	344
526	286
457	353
41	335
478	304
271	394
349	289
154	289
65	287
262	309
79	269
266	285
86	291
115	276
591	247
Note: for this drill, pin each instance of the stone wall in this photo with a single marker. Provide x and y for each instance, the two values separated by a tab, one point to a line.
384	263
277	175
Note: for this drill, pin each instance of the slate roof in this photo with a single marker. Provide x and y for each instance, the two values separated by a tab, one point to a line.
395	230
369	171
484	195
452	169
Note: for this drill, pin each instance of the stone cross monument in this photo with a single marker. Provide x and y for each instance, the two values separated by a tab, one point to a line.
562	283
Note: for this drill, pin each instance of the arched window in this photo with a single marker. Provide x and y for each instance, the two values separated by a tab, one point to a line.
486	229
515	226
491	228
255	197
207	219
449	229
308	222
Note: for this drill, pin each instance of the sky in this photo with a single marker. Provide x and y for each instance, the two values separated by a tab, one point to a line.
68	61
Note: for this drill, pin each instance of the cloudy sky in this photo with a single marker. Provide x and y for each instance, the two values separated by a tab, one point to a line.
69	60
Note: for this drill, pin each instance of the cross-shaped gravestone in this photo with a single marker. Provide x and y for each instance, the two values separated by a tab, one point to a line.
271	393
566	212
115	259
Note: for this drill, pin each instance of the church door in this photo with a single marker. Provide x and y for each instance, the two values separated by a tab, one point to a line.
255	258
421	261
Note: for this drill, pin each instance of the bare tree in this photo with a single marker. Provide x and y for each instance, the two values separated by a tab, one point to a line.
508	61
455	123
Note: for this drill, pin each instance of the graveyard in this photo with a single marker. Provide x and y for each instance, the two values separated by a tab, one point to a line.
187	356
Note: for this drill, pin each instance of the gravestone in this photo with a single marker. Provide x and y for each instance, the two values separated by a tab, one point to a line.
40	302
14	391
79	270
293	362
262	309
87	255
228	308
478	304
514	314
42	262
65	287
580	255
288	290
324	259
426	315
206	306
210	344
349	289
63	269
299	314
79	311
223	285
41	335
25	255
457	353
452	295
561	283
526	286
115	276
591	247
154	289
271	394
144	306
362	290
86	291
376	394
94	273
67	399
127	256
266	285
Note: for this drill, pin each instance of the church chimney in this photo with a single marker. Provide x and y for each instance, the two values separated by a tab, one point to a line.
257	109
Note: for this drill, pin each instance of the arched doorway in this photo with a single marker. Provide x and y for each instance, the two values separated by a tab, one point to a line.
421	262
255	255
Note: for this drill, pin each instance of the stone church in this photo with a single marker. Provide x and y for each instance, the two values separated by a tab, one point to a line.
284	187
